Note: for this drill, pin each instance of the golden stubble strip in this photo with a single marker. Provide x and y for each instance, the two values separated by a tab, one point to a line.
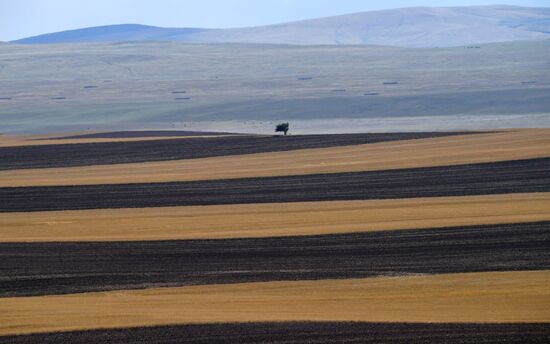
497	297
477	148
268	220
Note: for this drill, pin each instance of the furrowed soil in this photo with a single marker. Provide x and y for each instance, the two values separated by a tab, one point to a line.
274	219
497	297
302	332
453	150
61	268
66	155
417	236
520	176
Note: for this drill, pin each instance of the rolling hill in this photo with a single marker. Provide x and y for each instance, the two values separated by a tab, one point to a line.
112	33
407	27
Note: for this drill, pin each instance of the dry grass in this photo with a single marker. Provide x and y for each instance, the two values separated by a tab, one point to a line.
267	220
498	146
502	297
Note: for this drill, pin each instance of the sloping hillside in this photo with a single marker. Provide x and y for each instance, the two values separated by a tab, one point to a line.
407	27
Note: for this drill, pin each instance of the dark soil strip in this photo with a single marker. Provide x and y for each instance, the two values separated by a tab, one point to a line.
60	268
138	134
477	179
303	332
85	154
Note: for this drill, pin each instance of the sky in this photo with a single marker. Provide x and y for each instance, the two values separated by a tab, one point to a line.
24	18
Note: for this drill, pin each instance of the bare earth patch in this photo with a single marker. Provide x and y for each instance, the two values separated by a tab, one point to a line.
301	332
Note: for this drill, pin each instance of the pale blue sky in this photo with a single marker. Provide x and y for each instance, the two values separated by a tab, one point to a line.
23	18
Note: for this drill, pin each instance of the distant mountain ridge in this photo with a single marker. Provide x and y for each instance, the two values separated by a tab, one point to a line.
406	27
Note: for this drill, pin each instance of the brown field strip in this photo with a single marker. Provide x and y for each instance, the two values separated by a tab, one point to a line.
497	297
24	141
13	140
268	220
454	150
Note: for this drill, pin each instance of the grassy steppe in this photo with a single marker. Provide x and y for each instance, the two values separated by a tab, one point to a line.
135	83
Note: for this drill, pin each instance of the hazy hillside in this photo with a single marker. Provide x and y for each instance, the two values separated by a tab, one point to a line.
160	84
112	33
408	27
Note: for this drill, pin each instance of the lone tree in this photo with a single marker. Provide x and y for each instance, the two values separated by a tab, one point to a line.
282	128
